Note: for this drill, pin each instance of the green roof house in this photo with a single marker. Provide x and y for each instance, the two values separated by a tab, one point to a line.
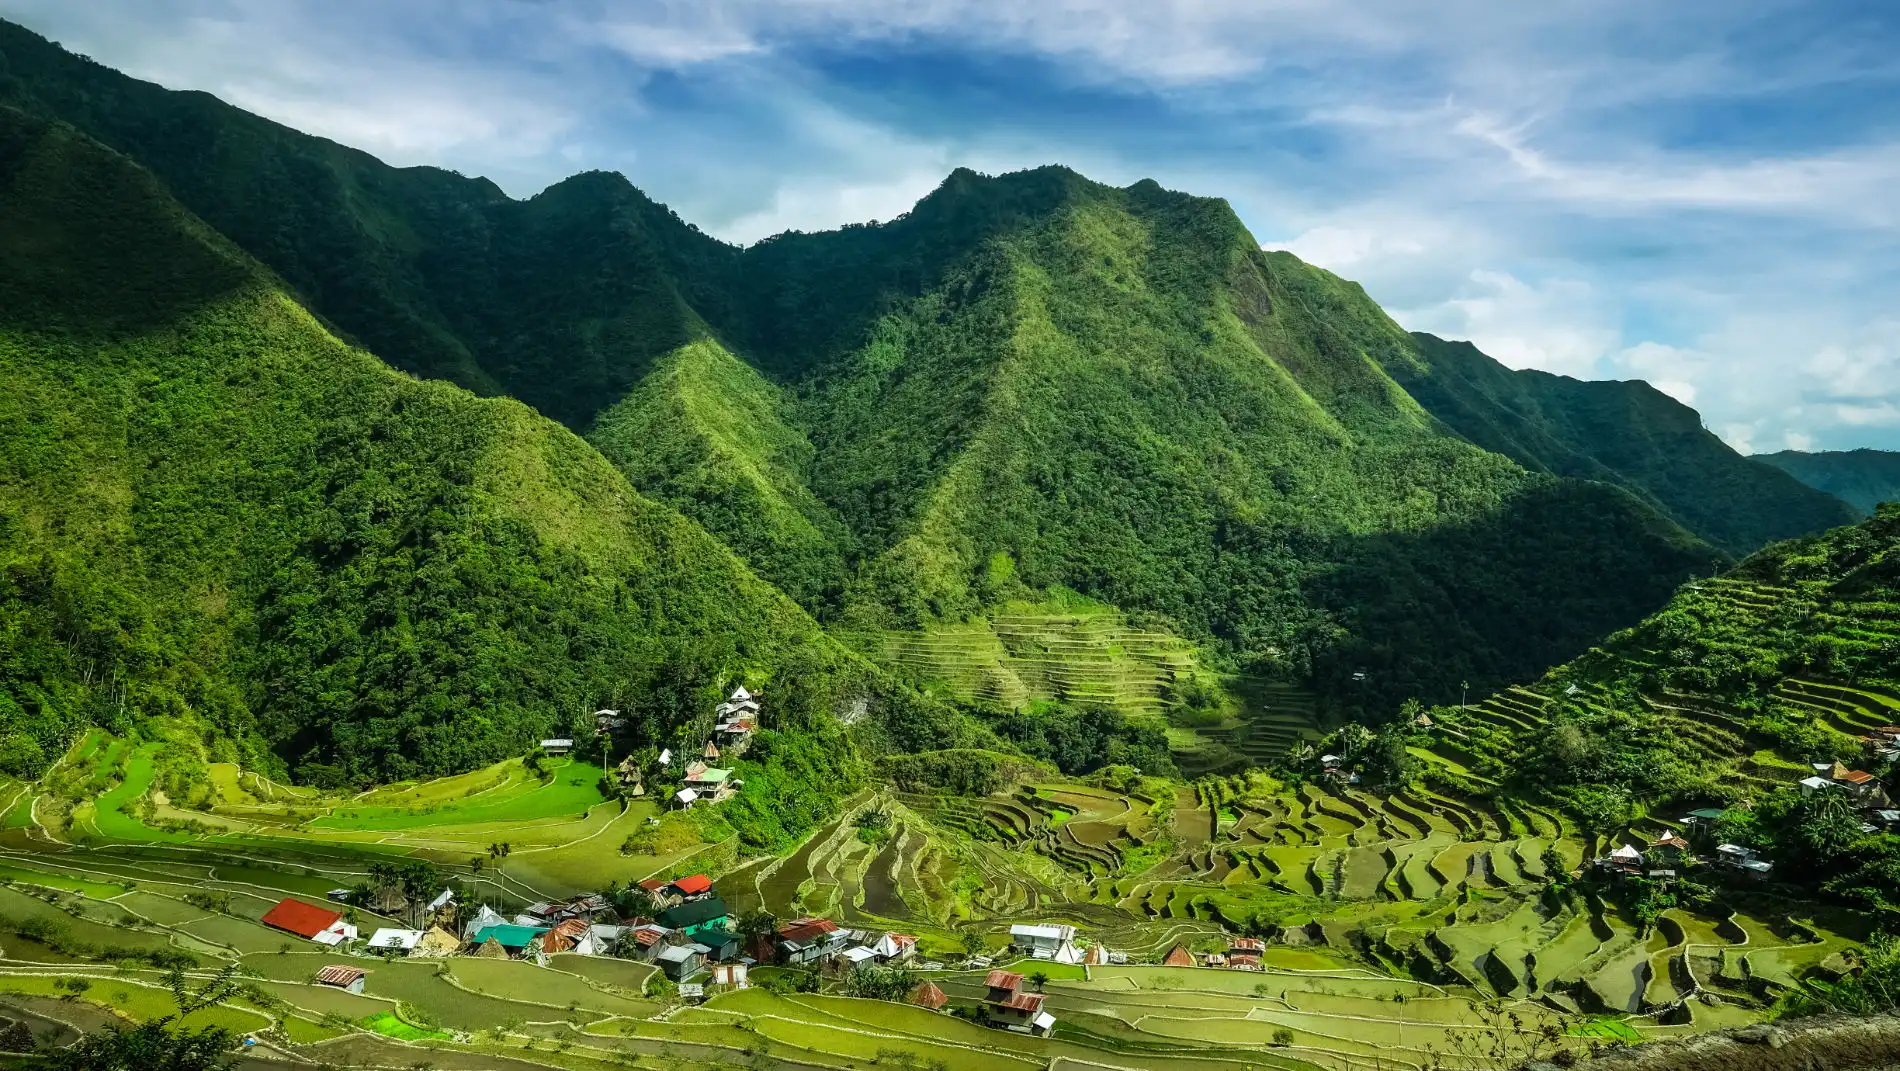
696	915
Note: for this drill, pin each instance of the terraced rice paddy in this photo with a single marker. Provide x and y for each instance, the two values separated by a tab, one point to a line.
1081	654
1399	924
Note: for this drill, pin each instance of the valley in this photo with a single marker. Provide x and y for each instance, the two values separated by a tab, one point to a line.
1043	630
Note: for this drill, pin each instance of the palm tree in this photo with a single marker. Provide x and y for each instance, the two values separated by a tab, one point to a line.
1039	979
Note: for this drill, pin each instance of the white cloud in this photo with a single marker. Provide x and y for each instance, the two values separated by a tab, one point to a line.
1557	325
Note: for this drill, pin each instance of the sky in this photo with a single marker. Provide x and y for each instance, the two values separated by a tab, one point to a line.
1702	194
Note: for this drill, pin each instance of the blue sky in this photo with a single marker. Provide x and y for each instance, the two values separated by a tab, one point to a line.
1705	195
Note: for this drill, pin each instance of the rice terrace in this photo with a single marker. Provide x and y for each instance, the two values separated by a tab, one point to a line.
539	621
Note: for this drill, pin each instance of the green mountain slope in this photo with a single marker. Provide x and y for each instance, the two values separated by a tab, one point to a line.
1122	395
1027	383
1626	433
1730	691
560	300
707	432
1861	478
211	506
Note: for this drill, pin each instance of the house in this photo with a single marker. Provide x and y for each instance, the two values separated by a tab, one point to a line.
1247	946
570	935
1243	961
1746	860
693	916
1859	782
514	940
606	721
721	945
732	974
680	962
445	898
1423	721
1044	941
339	896
1623	859
1006	1005
661	891
646	941
558	745
388	940
709	784
711	752
734	734
859	955
1178	956
692	991
808	939
685	798
436	942
1096	956
349	979
929	996
891	947
691	887
666	756
485	917
1815	783
310	922
1668	852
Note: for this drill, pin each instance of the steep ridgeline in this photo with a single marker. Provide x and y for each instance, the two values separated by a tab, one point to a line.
1627	433
210	508
561	300
1731	690
1120	394
1027	383
1861	478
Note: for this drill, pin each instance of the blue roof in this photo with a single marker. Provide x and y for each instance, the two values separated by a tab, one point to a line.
509	935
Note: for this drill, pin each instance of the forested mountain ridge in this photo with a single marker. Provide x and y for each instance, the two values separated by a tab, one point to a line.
1622	432
1126	397
1027	383
1862	478
213	510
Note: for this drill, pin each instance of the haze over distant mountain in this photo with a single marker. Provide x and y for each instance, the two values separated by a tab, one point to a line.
1029	384
1861	478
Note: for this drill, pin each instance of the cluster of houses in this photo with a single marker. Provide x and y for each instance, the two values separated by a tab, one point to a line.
701	781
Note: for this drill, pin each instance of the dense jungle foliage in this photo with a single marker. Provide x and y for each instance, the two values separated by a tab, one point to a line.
1861	478
211	506
1026	383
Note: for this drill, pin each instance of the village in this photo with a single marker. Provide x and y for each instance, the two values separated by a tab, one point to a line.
1667	856
688	932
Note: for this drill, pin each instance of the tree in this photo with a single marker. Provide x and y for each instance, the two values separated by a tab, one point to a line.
162	1044
1039	979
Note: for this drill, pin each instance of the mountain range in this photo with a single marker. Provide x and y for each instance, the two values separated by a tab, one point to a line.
625	453
1862	478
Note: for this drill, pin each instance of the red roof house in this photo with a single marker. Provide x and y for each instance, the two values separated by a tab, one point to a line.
693	885
309	921
1006	980
1178	956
